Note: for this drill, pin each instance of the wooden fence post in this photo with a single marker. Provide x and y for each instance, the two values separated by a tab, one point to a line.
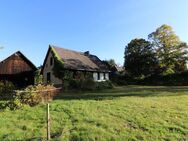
48	121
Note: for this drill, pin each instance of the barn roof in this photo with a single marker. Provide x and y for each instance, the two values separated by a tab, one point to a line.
13	65
79	60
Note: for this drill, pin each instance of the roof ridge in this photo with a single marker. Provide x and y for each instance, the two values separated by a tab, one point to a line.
11	56
54	46
82	53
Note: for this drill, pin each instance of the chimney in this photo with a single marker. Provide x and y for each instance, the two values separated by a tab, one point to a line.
86	53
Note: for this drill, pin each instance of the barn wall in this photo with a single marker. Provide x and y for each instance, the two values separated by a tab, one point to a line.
19	80
14	65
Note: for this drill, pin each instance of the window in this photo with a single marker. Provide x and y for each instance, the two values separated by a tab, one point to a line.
48	77
104	76
98	76
107	76
51	61
95	76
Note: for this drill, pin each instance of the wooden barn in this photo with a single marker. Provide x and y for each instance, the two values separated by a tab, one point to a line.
17	69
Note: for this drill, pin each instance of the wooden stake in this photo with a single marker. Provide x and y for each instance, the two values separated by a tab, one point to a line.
48	121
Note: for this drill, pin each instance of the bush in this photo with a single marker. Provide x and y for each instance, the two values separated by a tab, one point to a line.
104	85
74	84
119	80
86	85
31	96
123	78
177	79
6	89
38	79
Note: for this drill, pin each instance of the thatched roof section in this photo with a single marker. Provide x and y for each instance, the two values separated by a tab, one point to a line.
15	64
80	61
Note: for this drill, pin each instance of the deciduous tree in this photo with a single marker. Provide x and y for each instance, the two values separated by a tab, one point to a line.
140	59
171	51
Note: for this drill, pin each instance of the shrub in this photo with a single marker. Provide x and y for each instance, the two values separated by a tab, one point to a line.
74	84
88	84
104	85
6	89
119	80
80	84
38	77
177	79
31	96
122	79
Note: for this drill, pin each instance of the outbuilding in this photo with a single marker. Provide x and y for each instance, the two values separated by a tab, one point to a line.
17	69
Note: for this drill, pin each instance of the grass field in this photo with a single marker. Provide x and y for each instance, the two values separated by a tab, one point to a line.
123	113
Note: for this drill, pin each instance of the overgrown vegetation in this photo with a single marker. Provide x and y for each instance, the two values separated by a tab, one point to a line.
83	81
58	67
6	88
124	113
177	79
30	96
38	77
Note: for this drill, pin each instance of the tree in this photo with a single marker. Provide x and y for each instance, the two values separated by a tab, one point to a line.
140	59
111	62
170	51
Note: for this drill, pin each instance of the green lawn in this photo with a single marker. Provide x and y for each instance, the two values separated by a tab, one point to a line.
124	113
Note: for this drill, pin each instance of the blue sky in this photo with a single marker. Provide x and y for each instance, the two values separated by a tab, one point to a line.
104	27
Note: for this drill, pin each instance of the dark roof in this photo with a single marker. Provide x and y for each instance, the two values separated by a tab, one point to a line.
79	60
12	64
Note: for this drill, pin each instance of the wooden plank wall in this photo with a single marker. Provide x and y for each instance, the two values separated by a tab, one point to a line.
14	65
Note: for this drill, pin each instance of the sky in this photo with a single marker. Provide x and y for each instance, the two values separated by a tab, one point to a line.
103	27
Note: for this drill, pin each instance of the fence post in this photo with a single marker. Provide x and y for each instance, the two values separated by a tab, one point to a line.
48	121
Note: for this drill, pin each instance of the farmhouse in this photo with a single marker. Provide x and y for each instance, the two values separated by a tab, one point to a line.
17	69
73	61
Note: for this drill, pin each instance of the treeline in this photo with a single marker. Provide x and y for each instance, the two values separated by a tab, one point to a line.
161	59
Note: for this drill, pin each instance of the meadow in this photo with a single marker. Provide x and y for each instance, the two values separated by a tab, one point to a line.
120	114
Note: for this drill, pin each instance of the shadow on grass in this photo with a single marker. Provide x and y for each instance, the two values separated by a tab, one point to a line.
126	91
